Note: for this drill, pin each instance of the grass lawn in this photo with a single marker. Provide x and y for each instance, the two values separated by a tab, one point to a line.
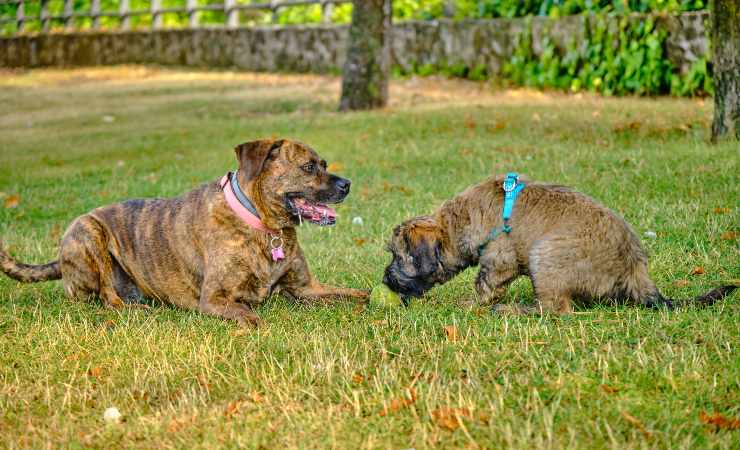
339	376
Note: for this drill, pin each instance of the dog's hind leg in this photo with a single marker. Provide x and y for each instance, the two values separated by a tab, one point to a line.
86	263
551	282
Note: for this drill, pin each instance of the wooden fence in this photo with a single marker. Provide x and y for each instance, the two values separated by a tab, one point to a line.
230	8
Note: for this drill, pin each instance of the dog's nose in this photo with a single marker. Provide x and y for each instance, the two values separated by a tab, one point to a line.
342	185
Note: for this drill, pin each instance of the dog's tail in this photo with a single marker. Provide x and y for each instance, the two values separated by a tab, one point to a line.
28	273
656	299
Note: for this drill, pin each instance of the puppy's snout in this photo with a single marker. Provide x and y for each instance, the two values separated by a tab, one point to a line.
342	185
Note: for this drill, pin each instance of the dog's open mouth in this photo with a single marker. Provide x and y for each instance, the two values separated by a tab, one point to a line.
317	213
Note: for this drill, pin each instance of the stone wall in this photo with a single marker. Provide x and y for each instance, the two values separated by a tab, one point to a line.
321	48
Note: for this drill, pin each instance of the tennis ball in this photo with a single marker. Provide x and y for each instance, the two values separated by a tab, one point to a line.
384	297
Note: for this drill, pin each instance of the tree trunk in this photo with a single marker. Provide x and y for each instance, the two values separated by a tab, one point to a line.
367	67
725	16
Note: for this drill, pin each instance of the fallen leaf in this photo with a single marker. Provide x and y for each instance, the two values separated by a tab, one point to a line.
203	382
357	378
404	190
360	241
498	126
536	117
698	270
465	152
175	426
232	408
12	201
609	389
256	397
719	421
95	372
398	403
720	210
728	236
630	126
483	418
470	123
681	283
109	324
450	418
335	167
451	333
636	422
140	395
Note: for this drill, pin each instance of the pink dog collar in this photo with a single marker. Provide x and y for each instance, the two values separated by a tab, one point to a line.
276	240
243	213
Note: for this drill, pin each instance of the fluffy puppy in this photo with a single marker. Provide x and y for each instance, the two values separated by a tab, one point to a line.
572	247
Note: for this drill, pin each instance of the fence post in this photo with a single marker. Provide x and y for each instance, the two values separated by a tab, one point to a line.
274	8
44	16
192	13
95	13
20	17
156	16
68	9
123	9
232	15
326	11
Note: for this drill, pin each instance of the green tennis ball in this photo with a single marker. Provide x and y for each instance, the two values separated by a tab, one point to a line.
384	298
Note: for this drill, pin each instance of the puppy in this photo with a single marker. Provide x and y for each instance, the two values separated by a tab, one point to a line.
221	249
572	248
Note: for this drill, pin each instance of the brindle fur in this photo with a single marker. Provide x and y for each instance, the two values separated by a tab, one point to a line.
572	248
193	251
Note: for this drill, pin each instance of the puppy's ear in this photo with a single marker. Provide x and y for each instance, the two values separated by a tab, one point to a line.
252	155
424	241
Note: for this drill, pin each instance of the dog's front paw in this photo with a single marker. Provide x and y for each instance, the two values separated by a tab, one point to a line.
248	320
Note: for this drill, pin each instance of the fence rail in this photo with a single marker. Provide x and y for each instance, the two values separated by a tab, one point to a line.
230	8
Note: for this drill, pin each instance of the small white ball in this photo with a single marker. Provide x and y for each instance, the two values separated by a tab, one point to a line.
651	234
112	415
357	221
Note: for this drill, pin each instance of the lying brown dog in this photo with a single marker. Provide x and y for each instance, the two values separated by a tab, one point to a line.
572	247
196	251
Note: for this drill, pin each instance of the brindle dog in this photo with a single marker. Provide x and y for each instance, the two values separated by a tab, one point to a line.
571	247
194	251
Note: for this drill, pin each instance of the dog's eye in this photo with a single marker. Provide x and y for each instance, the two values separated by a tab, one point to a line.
309	167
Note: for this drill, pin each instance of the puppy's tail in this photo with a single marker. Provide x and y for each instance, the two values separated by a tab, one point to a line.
656	300
28	273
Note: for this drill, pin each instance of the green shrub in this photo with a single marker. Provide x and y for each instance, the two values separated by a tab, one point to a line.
628	59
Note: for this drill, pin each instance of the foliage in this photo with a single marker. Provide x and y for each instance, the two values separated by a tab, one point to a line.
627	59
402	10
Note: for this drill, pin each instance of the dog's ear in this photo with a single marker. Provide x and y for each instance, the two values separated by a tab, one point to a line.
252	155
424	241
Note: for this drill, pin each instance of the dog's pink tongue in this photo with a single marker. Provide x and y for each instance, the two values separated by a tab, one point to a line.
316	211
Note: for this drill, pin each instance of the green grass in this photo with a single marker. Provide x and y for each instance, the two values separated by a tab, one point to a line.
321	376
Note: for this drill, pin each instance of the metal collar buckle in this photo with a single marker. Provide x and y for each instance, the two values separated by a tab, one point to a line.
510	182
